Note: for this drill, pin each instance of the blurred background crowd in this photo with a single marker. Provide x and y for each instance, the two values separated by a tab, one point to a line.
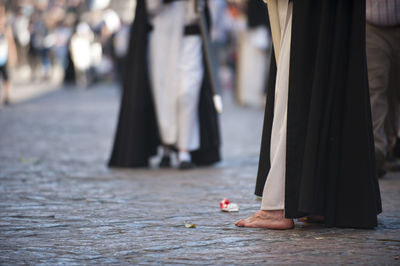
83	42
68	40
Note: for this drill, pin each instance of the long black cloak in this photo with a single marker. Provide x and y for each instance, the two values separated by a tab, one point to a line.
137	136
330	162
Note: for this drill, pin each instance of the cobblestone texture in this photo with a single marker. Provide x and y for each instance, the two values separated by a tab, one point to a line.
60	204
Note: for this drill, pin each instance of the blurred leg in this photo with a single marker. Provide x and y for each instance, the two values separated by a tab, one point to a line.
191	73
379	62
6	85
6	94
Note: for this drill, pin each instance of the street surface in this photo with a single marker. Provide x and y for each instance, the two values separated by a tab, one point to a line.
60	204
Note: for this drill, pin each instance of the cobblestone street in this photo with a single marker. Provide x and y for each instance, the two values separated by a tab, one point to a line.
60	204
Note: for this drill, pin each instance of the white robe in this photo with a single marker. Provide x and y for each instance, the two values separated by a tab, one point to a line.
274	188
176	73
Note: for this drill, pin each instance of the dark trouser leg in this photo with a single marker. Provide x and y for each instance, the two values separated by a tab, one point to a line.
378	59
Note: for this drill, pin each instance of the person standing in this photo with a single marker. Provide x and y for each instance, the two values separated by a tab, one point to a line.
8	55
166	98
81	49
317	151
383	55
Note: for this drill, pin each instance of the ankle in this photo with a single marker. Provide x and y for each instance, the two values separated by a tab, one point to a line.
273	214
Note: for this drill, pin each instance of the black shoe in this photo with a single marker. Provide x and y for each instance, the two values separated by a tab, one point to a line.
186	165
165	162
6	101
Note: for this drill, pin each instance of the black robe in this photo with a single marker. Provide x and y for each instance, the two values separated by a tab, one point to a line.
257	14
330	161
137	136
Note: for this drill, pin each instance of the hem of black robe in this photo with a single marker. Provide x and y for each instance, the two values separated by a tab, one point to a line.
206	156
340	222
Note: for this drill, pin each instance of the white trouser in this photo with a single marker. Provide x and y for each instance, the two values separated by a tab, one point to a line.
274	189
191	73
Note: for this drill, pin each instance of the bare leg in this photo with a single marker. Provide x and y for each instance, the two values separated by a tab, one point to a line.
268	220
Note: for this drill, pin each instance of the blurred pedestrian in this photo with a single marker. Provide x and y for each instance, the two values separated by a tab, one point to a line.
69	74
317	153
253	56
383	54
110	25
8	55
22	35
166	100
63	33
121	45
81	53
36	45
223	35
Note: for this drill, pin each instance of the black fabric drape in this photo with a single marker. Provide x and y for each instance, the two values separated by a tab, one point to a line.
264	162
257	14
330	163
137	135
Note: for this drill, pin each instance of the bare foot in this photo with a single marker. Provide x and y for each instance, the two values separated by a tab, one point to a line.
268	220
